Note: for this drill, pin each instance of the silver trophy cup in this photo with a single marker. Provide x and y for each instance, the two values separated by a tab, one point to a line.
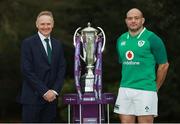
89	36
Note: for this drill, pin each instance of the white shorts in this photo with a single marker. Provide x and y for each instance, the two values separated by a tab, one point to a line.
136	102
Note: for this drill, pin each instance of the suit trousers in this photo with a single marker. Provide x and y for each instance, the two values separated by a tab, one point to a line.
33	113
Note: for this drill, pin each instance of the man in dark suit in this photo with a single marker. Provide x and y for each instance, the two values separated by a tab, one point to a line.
43	69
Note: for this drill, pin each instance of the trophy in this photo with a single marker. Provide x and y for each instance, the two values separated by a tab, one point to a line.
92	42
89	103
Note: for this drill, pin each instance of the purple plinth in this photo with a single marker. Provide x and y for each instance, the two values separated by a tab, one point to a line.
90	108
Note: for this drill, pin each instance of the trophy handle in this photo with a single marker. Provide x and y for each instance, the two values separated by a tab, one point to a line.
74	37
83	56
104	39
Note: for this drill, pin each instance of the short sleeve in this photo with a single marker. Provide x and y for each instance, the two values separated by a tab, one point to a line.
118	50
158	49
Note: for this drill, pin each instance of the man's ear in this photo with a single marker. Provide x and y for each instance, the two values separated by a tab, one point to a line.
143	20
36	24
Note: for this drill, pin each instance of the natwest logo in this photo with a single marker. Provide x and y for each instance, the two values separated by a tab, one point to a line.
129	55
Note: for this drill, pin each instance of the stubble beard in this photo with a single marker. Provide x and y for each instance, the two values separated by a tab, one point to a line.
135	30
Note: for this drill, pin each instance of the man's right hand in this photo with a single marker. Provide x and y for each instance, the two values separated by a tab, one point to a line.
49	96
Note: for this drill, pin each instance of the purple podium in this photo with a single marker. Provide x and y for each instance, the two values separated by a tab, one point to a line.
89	104
89	110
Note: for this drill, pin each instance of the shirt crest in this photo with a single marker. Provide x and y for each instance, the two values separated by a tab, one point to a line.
141	43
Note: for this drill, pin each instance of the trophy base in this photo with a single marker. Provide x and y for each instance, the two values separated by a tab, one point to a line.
89	110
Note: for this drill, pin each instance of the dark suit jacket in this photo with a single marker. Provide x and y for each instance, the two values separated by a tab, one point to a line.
38	74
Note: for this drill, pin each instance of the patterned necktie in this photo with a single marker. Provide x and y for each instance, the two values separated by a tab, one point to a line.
48	49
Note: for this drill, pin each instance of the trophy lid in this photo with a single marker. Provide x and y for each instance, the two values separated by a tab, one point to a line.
89	28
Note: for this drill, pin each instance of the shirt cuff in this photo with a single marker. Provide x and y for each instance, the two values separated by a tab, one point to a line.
55	92
45	93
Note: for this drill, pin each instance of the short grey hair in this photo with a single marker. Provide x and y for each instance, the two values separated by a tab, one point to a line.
48	13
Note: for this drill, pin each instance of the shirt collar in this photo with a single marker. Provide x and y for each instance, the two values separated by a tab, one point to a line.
42	37
138	36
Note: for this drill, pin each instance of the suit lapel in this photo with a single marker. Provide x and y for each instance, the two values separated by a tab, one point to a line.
53	50
41	48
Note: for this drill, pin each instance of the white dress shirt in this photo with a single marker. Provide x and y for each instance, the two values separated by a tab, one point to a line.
44	45
44	42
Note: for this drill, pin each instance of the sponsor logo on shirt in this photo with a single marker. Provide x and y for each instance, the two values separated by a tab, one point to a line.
131	63
129	56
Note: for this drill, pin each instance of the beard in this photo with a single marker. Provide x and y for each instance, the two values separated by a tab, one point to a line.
135	29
